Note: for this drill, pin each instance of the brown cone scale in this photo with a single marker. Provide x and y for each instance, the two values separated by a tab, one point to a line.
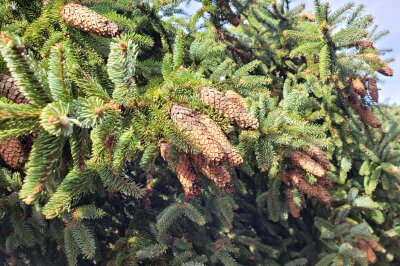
12	152
235	112
87	20
9	89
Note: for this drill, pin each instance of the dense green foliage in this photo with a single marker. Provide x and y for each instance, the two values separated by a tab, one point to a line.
95	188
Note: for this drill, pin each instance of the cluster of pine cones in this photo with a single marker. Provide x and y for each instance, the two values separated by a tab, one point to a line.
369	247
216	152
312	161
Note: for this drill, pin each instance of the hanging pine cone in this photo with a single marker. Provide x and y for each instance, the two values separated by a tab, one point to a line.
184	171
308	16
235	112
386	71
298	180
12	152
87	20
216	173
358	87
305	162
189	122
365	114
373	90
367	250
319	156
9	89
235	97
375	246
232	155
365	44
293	208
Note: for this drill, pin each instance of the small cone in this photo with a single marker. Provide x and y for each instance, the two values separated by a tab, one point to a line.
373	90
365	44
9	89
358	87
367	250
298	180
233	156
318	155
87	20
235	112
293	208
308	16
375	246
184	171
305	162
216	173
12	152
235	97
386	71
365	114
190	122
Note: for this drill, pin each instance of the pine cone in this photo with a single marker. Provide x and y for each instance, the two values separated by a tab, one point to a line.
365	44
184	171
365	114
298	180
305	162
216	173
293	208
190	122
308	16
12	152
386	71
87	20
9	89
233	156
373	89
235	97
318	155
235	112
358	86
367	250
375	246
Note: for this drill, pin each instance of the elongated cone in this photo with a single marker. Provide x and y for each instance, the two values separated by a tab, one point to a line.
87	20
187	120
232	155
235	112
358	87
373	90
317	191
12	152
367	250
9	89
184	171
293	208
365	44
375	246
307	15
235	97
216	173
386	71
306	163
365	114
318	155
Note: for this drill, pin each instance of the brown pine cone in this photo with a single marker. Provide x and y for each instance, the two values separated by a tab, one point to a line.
373	89
12	152
367	250
308	16
235	97
232	155
87	20
184	171
305	162
9	89
235	112
358	87
317	191
365	114
318	155
365	44
216	173
375	246
293	208
187	120
386	71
